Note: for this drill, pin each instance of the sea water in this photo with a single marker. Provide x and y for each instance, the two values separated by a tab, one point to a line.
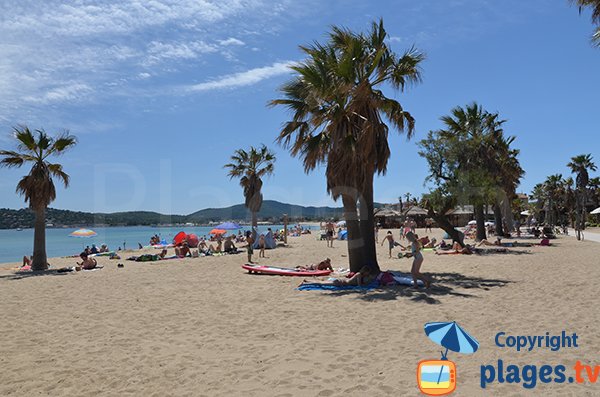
15	244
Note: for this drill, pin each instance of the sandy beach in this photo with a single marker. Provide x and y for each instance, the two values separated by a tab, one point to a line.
204	327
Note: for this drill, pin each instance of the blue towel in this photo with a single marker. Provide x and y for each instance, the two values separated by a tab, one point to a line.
328	287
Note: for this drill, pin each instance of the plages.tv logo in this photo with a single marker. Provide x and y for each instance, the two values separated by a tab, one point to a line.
438	377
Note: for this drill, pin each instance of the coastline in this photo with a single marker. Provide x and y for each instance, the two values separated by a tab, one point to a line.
206	326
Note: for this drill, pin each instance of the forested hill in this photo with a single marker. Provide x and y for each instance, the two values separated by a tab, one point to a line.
270	211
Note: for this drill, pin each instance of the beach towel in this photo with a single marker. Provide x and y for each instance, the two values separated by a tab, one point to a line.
329	287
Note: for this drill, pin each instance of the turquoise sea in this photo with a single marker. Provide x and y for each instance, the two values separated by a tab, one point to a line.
14	244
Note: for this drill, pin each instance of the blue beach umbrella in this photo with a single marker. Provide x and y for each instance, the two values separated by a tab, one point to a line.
228	226
452	337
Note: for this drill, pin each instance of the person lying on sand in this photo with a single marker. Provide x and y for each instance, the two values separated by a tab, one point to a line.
323	265
87	263
458	249
364	277
149	257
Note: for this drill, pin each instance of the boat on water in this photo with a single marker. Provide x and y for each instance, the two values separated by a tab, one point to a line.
19	229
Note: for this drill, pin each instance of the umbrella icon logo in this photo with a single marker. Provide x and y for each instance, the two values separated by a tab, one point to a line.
438	377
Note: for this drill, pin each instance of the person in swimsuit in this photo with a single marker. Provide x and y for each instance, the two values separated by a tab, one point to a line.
323	265
86	262
330	230
250	243
389	237
417	261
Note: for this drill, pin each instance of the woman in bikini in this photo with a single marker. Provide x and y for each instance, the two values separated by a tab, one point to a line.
417	261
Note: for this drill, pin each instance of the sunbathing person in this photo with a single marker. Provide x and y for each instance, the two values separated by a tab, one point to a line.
87	263
149	257
458	249
218	249
184	250
229	247
323	265
27	261
431	244
364	277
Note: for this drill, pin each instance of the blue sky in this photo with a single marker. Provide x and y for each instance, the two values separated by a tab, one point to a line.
160	93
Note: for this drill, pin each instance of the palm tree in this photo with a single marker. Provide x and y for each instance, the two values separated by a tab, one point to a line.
554	192
251	166
580	165
595	6
38	187
476	134
338	110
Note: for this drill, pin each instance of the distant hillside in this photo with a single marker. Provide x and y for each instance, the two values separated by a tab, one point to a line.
271	210
24	218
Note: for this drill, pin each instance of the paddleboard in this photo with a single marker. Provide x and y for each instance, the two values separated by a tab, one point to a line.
283	271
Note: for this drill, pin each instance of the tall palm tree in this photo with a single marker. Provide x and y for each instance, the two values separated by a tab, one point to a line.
251	166
595	7
477	134
38	186
554	192
581	165
338	120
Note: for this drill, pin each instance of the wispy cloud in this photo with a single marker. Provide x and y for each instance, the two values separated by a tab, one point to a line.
231	41
242	79
72	51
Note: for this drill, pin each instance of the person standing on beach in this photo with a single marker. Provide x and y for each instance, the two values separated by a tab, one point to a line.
417	261
250	245
428	224
392	243
330	230
261	245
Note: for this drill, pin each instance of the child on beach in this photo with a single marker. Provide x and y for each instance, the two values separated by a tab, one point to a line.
417	261
250	247
392	243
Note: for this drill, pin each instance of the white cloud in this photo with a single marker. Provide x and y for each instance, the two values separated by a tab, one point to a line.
68	92
231	41
63	51
158	50
246	78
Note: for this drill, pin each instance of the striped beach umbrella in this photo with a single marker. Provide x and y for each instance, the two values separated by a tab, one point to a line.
83	233
452	337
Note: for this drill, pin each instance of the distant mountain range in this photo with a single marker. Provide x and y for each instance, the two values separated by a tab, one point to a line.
270	211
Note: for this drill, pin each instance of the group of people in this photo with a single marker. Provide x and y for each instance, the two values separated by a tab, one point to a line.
95	250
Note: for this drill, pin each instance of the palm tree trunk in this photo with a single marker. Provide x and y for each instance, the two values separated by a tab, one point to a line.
254	225
367	226
480	218
498	219
40	261
355	240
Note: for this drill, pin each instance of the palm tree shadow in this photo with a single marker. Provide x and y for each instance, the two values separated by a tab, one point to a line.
24	275
445	284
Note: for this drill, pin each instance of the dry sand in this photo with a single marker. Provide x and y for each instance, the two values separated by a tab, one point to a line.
204	327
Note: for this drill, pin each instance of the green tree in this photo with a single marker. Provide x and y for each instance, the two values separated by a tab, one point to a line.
251	166
470	161
581	165
38	186
338	111
594	5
